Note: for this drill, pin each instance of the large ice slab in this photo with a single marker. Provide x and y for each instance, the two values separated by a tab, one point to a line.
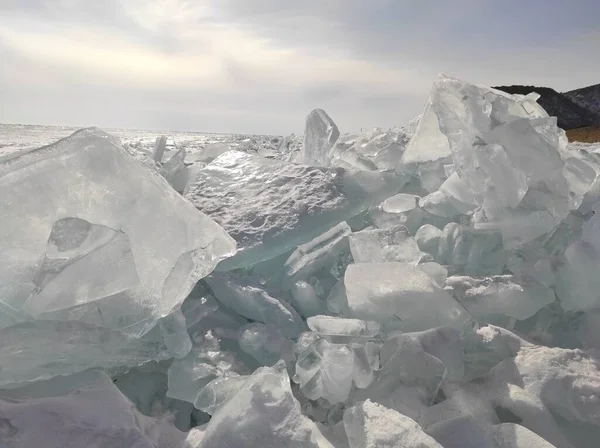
40	350
120	247
400	295
84	410
269	206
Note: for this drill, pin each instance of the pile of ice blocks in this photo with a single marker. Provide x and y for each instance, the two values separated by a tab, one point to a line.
430	286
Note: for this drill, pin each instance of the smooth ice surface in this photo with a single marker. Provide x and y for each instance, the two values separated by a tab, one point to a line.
86	207
400	295
269	206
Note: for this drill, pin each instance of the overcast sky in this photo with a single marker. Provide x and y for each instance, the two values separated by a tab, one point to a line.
259	66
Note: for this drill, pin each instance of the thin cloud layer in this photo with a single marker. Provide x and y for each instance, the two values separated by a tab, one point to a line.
258	66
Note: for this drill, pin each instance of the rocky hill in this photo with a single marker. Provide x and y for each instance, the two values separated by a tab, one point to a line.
576	109
588	97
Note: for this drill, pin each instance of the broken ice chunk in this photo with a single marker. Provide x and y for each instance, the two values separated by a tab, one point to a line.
452	199
212	151
325	370
216	393
195	309
522	192
175	171
174	330
306	301
500	294
580	175
428	147
380	245
266	344
315	255
439	204
207	361
159	148
370	425
428	239
409	378
251	301
473	252
400	203
446	344
270	206
120	215
366	362
400	295
578	279
320	135
263	413
436	271
337	301
337	326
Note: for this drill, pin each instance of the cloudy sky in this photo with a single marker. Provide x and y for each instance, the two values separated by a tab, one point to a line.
259	66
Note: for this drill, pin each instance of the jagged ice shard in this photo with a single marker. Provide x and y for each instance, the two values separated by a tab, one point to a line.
428	286
91	235
503	151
